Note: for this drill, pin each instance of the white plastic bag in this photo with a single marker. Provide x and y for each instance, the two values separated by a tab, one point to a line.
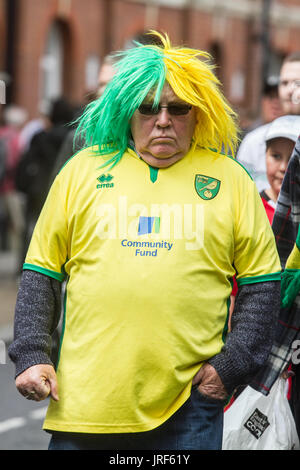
258	422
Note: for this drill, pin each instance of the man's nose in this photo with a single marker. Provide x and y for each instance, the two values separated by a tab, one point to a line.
163	118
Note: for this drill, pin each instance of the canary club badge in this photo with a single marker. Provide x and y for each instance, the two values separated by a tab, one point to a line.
207	188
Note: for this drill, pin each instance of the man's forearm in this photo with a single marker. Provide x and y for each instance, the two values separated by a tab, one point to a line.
253	326
37	315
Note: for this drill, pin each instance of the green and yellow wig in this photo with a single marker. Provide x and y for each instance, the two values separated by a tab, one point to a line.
105	124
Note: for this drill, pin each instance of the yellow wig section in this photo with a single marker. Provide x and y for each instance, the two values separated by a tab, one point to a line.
192	79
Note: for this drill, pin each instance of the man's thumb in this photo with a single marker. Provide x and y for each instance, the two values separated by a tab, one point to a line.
52	380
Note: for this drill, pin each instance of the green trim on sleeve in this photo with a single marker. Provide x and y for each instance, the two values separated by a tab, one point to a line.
239	163
47	272
256	279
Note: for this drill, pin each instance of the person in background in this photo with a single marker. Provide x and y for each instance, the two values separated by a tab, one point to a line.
252	150
11	150
70	146
36	164
270	105
33	127
287	235
145	359
280	139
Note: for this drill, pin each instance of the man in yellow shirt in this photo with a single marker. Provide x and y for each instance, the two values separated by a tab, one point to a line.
148	225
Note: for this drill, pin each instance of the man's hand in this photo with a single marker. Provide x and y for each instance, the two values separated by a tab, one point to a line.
37	382
210	383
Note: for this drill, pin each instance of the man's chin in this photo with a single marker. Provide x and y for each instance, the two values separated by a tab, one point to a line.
161	161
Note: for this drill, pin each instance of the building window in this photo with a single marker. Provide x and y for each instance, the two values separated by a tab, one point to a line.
216	53
52	66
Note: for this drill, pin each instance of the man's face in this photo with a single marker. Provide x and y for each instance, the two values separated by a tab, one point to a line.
106	74
163	139
289	74
271	107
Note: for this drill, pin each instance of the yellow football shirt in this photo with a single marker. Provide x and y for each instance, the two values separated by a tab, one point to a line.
149	256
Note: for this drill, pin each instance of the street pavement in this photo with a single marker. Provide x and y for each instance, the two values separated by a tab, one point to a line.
20	419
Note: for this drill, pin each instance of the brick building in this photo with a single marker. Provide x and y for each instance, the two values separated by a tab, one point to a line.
54	47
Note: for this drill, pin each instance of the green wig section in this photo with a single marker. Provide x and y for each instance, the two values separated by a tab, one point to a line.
105	124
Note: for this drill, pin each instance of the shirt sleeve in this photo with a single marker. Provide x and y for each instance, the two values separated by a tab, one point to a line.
48	249
255	255
37	314
249	343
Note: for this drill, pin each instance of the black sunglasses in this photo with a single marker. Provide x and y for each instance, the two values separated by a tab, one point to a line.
175	109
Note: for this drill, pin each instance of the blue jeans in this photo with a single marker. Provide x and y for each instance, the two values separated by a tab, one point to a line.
197	425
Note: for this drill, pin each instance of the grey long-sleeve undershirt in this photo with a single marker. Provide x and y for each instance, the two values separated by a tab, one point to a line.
37	314
246	348
253	327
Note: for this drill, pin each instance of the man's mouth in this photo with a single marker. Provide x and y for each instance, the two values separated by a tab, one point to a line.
162	138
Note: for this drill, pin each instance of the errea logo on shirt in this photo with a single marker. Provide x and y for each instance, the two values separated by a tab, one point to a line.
105	181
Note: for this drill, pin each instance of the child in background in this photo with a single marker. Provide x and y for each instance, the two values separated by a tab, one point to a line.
280	140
